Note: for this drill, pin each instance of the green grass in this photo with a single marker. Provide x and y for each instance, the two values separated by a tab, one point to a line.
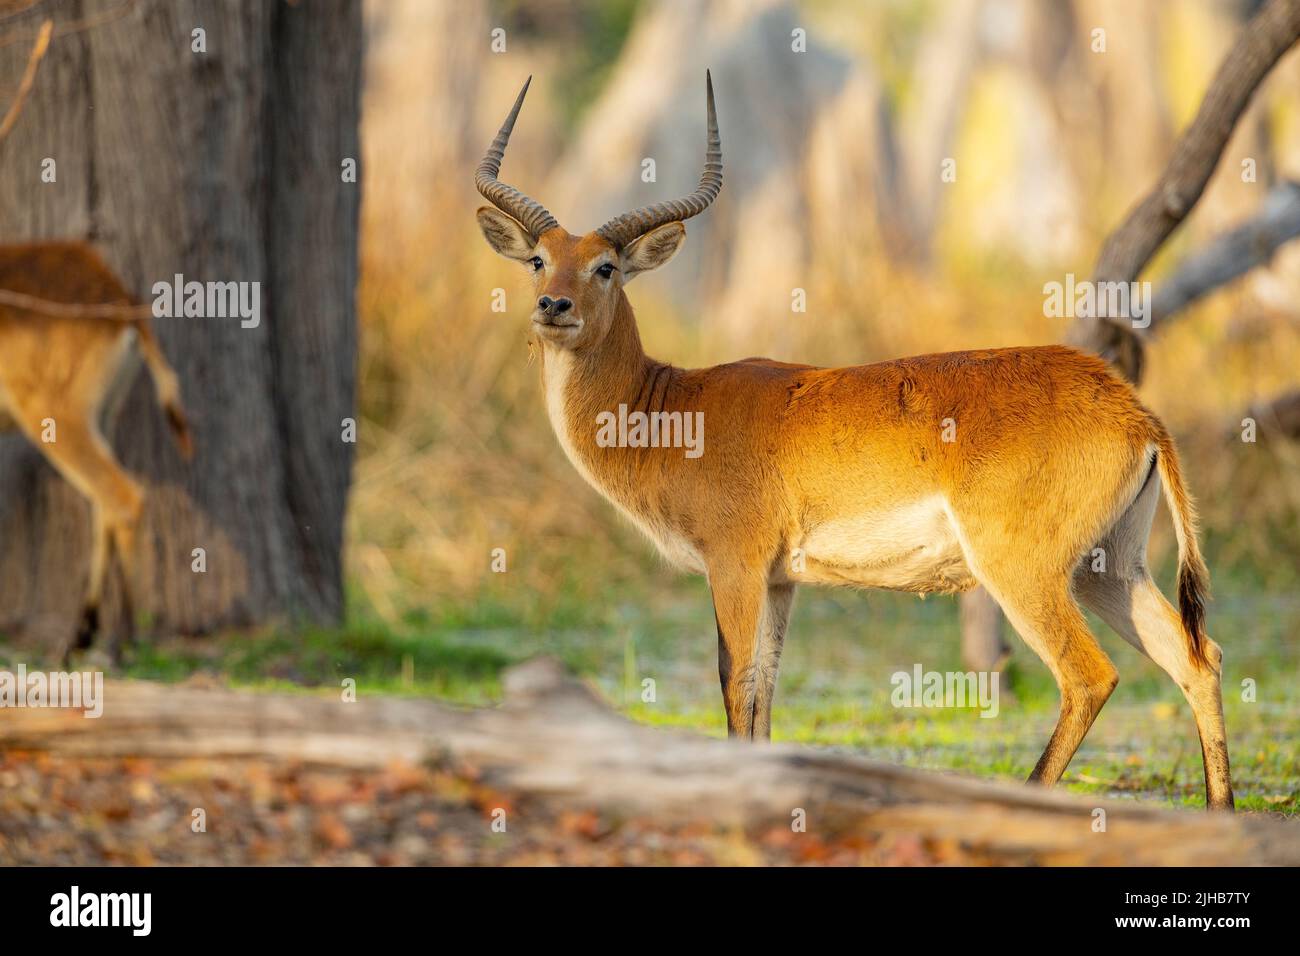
835	684
379	659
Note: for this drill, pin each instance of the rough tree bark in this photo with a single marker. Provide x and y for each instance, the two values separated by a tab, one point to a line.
221	165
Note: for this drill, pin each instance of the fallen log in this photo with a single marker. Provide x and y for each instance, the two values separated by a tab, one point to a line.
554	740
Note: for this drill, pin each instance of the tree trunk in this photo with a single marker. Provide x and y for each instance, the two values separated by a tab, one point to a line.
983	645
222	165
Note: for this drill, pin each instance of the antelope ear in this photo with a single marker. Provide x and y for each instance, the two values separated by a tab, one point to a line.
652	250
505	234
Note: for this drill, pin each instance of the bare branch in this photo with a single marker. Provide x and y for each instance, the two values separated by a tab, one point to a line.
20	8
1263	41
1277	416
1231	255
29	77
69	27
1268	35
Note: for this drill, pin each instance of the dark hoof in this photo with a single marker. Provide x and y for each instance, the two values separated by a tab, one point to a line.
87	629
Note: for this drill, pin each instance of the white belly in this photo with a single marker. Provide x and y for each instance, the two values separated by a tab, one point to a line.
909	547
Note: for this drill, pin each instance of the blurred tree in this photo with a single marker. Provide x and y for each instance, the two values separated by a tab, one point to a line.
205	139
591	34
425	67
1129	247
1273	30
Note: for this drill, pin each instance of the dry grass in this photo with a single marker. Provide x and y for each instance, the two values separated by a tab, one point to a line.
457	457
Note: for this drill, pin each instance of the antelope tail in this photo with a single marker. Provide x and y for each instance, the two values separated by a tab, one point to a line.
1193	577
166	386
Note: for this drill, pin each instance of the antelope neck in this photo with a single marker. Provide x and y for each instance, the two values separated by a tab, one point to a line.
616	371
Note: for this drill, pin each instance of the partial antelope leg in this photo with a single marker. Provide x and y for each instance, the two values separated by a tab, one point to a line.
771	639
738	599
80	453
1124	596
1044	613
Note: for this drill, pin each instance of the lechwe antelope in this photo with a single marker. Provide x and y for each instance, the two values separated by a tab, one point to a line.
1003	467
67	327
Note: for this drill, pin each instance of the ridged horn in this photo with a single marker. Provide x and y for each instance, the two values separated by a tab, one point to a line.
529	212
623	229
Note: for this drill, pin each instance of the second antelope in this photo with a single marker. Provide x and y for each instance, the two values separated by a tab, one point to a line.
67	327
848	471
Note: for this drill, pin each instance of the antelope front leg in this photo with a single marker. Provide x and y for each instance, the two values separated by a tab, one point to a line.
738	600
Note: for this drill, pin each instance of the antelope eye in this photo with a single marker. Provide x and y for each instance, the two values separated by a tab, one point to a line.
606	270
536	263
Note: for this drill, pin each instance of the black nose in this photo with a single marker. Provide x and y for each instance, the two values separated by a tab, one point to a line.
551	306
